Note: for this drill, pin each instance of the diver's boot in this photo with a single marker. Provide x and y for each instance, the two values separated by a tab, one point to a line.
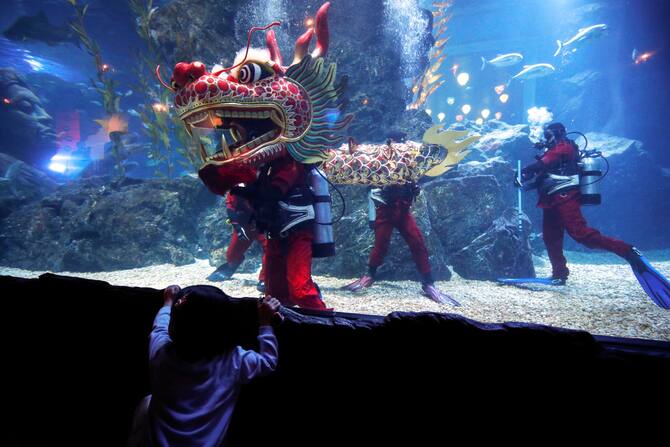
434	294
224	272
361	283
654	283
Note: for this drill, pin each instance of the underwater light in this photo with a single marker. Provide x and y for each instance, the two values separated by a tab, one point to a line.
504	98
462	79
500	88
479	121
459	118
485	113
34	64
451	101
104	68
159	107
6	101
440	116
309	22
429	112
498	115
57	167
466	109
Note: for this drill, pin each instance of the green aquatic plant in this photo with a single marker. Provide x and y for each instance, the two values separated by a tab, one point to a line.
105	85
160	123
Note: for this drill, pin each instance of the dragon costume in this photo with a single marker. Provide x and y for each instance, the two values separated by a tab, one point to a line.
265	125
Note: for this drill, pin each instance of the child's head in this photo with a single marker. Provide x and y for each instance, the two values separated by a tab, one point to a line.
198	323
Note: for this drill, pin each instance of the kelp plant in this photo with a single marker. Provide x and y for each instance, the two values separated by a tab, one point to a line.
160	124
105	85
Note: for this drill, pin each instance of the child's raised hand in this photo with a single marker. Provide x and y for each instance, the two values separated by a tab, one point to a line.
169	294
267	309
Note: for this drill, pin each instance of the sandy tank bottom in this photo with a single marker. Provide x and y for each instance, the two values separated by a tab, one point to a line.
602	295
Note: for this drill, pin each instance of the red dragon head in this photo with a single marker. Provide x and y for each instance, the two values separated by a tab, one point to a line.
258	109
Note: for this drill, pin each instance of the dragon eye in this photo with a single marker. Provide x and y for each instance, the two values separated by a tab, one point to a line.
252	72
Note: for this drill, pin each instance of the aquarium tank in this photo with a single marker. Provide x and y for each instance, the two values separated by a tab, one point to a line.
500	160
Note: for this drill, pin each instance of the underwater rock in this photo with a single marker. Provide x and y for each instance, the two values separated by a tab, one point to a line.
25	126
204	30
20	183
506	140
100	225
501	251
634	194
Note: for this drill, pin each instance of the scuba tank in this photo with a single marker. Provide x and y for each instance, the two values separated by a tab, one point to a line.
590	174
374	197
323	245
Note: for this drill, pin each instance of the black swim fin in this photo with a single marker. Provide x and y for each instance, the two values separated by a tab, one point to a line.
652	281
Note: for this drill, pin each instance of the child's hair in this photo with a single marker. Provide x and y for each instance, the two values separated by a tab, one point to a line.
200	323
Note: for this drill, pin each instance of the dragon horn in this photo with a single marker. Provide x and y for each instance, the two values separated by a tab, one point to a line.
301	46
321	31
271	42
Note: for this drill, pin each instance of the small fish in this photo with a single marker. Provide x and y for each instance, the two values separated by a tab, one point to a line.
533	71
133	112
503	60
128	93
642	58
582	34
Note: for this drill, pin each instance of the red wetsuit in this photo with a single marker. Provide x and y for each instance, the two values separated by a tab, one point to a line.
238	246
396	213
561	213
289	259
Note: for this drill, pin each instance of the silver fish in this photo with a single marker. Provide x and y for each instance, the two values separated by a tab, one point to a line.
503	60
534	71
582	34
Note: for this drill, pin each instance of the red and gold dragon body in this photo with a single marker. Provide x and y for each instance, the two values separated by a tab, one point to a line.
259	110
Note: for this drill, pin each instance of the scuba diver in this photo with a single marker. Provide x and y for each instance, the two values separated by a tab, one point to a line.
556	175
284	205
389	208
240	216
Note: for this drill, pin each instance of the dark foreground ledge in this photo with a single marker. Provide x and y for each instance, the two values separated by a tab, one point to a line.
74	365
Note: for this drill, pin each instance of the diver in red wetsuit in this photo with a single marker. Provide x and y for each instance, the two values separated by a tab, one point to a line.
393	210
281	199
557	174
240	215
